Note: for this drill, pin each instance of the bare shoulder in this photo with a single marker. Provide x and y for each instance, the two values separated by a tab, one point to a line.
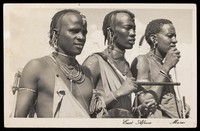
86	71
37	63
31	73
91	61
140	67
139	62
34	67
142	63
92	67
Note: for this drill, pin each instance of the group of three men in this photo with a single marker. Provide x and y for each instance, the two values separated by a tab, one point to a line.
58	86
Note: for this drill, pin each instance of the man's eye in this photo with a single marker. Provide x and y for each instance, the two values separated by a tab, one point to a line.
74	31
127	27
170	36
84	32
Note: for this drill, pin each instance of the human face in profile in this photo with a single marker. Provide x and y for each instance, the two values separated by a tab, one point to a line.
166	38
72	35
124	31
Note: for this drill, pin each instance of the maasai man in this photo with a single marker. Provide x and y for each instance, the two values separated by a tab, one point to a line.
56	85
155	66
110	70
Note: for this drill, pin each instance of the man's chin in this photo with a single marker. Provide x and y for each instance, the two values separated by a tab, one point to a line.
130	47
77	53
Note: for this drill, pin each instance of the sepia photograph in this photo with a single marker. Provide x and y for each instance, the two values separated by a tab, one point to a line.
100	65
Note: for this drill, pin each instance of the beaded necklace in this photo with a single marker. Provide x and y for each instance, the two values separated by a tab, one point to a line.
74	79
68	56
79	77
156	57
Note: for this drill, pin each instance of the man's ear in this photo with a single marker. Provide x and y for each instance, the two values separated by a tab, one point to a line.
110	31
153	38
55	34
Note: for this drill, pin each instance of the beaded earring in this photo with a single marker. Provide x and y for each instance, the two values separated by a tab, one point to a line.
155	45
154	42
110	40
54	41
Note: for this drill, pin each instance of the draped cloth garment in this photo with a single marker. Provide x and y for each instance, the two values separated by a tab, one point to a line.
65	104
112	82
169	106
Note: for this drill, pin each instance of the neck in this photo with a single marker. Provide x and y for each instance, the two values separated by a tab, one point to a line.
116	56
117	53
157	55
67	56
68	60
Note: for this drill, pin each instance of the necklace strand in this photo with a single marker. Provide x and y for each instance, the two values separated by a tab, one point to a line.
66	69
68	56
78	81
67	66
154	55
78	78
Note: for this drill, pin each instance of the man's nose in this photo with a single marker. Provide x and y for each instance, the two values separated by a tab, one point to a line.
132	32
81	37
174	40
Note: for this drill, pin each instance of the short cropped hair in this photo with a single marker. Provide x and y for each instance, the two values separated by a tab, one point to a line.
154	27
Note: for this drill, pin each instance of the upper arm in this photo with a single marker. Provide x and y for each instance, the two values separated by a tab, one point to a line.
88	74
92	63
28	80
30	75
140	68
134	70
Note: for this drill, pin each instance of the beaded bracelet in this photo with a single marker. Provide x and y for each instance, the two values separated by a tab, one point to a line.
113	96
27	89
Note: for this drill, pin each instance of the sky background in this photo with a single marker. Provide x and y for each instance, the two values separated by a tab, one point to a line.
26	31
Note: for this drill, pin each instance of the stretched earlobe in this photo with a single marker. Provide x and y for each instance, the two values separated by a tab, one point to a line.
55	40
109	31
154	40
110	38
